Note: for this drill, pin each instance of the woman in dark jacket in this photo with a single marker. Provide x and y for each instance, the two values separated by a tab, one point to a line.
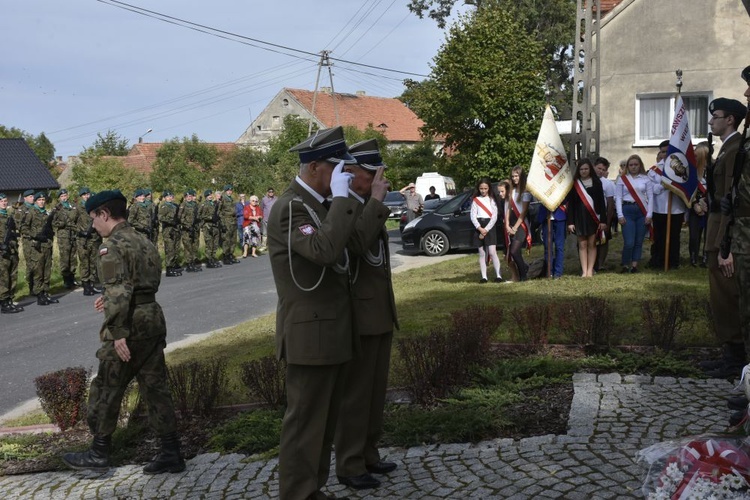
587	213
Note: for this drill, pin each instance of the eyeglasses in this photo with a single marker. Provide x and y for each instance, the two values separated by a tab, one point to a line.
718	117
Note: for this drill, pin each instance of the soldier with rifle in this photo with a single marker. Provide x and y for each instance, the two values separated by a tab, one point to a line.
39	229
726	115
170	224
190	231
88	241
208	215
65	224
21	215
8	258
154	214
139	215
228	226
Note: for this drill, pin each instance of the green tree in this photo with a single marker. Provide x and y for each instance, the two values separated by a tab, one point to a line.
98	174
246	169
109	144
485	95
184	164
41	145
406	163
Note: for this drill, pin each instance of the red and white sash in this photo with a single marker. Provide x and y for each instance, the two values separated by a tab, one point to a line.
483	207
638	197
517	212
588	202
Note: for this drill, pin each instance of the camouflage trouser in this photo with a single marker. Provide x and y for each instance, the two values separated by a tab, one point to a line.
149	369
8	275
41	262
190	245
742	270
88	252
211	240
229	238
171	238
67	248
26	244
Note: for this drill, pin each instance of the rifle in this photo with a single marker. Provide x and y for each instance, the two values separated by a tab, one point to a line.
47	234
153	232
196	221
217	221
731	199
10	234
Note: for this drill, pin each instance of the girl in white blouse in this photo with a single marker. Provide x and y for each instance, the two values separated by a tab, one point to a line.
484	211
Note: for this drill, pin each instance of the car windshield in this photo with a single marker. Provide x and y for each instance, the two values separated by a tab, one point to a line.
455	204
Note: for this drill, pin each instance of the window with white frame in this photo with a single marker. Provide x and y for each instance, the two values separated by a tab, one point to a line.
654	114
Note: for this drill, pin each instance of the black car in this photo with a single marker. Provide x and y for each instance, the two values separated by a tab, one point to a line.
448	227
396	202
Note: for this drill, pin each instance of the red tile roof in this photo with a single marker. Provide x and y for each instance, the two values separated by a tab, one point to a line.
608	5
386	114
142	155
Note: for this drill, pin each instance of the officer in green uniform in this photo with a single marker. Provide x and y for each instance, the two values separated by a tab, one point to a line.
139	214
39	229
88	241
228	226
170	223
360	422
190	230
8	258
65	223
133	337
726	115
209	216
22	215
306	242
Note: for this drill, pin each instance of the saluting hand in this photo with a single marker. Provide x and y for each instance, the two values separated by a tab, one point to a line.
340	181
380	185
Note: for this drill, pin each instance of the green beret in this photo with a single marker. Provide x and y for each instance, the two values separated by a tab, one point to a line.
147	191
167	193
40	194
138	192
207	192
62	191
84	190
228	187
746	74
190	192
2	196
103	197
28	192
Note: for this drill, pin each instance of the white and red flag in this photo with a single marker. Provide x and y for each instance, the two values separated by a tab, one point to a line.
550	177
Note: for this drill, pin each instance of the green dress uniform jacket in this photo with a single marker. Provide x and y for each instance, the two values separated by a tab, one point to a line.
723	292
360	424
314	332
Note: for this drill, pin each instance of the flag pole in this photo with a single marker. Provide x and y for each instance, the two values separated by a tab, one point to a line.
549	244
678	84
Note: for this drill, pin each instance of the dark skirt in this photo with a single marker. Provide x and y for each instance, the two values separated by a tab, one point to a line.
489	239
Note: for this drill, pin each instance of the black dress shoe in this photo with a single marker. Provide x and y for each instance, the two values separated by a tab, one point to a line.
737	402
361	482
381	467
483	281
736	418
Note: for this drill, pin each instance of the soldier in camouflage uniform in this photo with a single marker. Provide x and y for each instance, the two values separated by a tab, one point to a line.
133	337
65	223
8	258
154	214
190	229
209	217
21	214
88	244
139	214
170	224
228	226
39	229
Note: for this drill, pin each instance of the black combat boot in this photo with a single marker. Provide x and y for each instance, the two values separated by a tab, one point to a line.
88	288
41	299
50	300
96	458
169	458
7	307
96	289
197	266
68	281
189	268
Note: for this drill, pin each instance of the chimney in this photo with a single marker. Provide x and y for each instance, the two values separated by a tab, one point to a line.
140	140
361	93
325	90
58	158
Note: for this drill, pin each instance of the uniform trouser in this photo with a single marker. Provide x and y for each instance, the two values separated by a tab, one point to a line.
229	239
8	275
211	241
558	241
190	246
724	298
360	423
697	227
742	271
148	367
313	400
41	260
171	238
88	250
67	249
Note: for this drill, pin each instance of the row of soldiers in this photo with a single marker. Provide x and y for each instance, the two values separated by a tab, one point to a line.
32	225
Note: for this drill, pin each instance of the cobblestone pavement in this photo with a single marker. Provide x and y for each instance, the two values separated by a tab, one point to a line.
611	418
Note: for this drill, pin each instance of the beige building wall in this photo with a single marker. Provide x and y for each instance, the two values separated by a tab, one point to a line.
643	42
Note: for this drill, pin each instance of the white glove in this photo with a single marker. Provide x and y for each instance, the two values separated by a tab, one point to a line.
340	181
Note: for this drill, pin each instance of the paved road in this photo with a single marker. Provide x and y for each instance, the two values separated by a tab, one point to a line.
611	418
44	339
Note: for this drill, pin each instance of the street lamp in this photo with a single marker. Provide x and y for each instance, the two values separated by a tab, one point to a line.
140	139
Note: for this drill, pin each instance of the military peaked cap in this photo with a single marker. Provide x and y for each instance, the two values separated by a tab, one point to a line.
83	190
367	154
327	144
729	106
28	192
746	74
103	197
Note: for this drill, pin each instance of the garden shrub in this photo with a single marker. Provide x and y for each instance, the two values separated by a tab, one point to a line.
265	379
197	386
663	319
252	432
531	325
63	395
585	320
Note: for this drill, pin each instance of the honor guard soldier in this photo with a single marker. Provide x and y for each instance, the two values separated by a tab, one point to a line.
360	422
307	238
153	210
8	258
209	216
170	225
133	338
88	245
65	223
22	216
190	229
139	215
228	226
39	229
726	115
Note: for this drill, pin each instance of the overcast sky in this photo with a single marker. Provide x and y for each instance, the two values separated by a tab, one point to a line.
72	69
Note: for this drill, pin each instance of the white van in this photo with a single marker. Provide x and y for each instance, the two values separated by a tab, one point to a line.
444	186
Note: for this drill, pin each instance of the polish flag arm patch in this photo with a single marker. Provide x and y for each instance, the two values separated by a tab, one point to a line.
307	229
103	251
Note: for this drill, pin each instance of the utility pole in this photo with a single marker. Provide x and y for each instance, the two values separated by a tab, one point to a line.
324	61
584	134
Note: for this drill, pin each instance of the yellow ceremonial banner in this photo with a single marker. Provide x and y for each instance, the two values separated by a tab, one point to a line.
550	177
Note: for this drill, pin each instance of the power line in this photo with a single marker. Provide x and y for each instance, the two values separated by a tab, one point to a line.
358	23
227	34
346	24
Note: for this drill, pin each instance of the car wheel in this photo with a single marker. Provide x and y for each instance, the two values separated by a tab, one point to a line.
435	243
